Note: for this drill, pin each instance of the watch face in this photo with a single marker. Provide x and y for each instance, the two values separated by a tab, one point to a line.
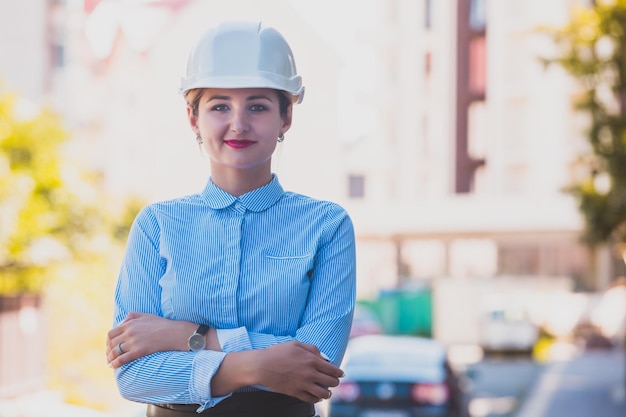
196	342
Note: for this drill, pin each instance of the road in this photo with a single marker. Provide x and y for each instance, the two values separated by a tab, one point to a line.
591	384
499	385
588	383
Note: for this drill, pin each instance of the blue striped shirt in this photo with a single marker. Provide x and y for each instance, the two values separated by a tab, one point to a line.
264	268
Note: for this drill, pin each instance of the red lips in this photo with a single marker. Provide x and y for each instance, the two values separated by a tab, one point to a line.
239	144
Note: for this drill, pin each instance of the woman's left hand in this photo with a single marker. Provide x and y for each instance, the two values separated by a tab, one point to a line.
142	334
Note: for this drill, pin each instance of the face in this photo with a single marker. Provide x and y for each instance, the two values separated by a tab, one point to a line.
239	127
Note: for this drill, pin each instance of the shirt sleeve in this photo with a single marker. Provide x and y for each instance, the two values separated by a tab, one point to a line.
163	377
328	315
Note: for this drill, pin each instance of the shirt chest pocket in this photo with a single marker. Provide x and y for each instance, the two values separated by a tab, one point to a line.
290	268
288	280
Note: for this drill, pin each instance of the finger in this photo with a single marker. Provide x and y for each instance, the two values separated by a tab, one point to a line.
319	393
314	349
121	354
114	332
133	315
112	342
110	355
327	381
120	360
130	316
329	369
307	397
308	347
130	354
110	352
116	348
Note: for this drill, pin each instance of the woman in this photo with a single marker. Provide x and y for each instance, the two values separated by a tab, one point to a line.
238	300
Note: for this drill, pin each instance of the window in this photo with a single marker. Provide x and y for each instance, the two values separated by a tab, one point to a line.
428	10
58	55
478	14
477	129
478	65
428	64
356	186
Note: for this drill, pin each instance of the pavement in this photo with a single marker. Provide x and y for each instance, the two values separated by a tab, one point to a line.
591	383
50	404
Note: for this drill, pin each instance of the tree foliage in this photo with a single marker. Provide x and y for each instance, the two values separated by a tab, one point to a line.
51	211
61	237
591	47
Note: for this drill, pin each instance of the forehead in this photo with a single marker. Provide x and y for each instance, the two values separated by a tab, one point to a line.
240	93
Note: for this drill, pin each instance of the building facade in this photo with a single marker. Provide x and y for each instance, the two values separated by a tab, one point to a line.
477	143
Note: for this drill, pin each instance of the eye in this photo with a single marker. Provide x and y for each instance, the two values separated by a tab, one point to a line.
257	107
219	107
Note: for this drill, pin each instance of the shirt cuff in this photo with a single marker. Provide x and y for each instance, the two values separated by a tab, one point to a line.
204	366
234	340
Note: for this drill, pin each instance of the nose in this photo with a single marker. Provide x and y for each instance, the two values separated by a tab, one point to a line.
239	123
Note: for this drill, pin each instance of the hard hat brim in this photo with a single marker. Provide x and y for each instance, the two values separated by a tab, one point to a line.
295	89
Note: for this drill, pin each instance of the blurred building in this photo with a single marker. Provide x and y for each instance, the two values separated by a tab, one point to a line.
27	47
432	122
464	176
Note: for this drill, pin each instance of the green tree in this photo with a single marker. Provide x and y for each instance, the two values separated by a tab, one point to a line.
61	238
591	49
51	211
31	196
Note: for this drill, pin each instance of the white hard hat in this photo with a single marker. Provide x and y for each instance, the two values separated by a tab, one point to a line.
243	55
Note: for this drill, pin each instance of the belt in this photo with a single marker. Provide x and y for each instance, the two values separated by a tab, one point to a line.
242	404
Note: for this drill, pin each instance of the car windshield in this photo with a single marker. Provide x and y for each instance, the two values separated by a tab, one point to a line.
394	358
381	366
390	359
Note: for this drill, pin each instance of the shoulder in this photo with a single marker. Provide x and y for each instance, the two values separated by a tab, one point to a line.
330	209
169	208
297	198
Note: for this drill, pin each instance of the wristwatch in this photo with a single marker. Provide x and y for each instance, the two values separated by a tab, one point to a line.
197	341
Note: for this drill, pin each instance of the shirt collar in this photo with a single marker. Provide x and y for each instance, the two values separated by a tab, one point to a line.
256	200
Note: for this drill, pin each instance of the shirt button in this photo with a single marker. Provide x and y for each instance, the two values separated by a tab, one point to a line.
237	205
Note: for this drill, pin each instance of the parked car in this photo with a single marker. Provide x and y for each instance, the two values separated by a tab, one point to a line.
508	331
398	376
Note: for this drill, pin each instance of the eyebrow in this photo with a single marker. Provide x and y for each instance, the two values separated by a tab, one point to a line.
251	98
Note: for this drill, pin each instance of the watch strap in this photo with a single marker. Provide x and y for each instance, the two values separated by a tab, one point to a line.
202	329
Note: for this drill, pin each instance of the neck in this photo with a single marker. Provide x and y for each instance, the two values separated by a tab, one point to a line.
238	182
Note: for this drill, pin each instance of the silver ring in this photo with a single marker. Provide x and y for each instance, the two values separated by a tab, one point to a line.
119	348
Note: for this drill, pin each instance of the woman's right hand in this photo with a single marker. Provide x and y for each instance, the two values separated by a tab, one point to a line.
292	368
298	369
142	334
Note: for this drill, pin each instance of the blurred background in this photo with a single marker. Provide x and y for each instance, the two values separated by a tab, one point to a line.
479	146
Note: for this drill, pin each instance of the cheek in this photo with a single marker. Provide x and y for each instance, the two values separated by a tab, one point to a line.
272	136
210	126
